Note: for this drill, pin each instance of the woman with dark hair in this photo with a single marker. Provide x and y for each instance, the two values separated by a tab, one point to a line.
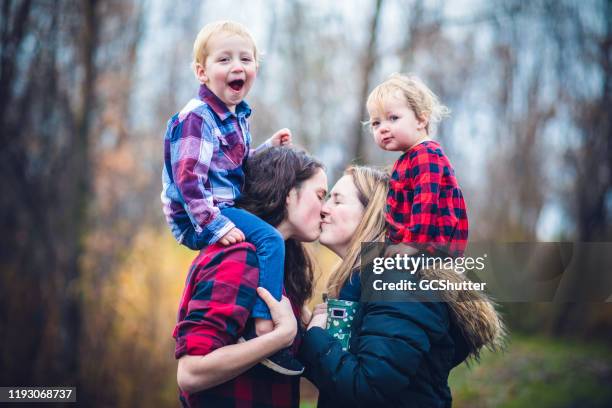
286	188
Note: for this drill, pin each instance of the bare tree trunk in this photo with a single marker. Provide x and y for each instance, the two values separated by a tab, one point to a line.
71	318
595	184
358	134
45	159
410	41
593	164
12	35
14	280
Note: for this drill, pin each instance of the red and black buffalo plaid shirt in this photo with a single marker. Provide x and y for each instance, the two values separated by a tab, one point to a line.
217	300
425	204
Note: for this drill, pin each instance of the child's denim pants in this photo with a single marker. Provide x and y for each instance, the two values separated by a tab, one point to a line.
270	247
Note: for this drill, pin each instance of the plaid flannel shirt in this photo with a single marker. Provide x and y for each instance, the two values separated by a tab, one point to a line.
205	146
425	204
219	294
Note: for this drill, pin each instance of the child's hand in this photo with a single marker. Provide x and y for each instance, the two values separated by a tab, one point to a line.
232	237
281	138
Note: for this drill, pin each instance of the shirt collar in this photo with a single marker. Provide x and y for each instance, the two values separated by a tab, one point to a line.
242	109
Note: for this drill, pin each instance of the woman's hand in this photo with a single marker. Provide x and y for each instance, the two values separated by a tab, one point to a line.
319	316
285	325
196	373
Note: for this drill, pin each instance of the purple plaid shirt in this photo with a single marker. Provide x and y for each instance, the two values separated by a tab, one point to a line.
205	146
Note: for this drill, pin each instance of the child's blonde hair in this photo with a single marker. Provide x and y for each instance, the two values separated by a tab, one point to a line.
423	102
200	46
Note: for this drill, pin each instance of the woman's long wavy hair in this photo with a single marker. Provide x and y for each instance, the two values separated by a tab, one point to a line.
473	312
270	176
372	187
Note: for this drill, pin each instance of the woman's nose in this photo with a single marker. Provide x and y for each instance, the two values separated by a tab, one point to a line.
325	209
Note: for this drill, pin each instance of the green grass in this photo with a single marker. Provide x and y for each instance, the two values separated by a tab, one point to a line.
536	372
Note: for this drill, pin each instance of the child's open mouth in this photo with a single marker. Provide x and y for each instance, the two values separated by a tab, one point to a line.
237	84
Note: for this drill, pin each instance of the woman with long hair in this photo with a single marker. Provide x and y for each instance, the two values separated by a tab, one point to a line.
286	188
400	353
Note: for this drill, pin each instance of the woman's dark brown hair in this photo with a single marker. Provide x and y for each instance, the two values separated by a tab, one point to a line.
270	176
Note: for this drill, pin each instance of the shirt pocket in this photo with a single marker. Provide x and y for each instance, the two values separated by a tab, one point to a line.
232	147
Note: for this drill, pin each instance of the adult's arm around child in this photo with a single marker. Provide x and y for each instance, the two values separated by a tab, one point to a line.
197	373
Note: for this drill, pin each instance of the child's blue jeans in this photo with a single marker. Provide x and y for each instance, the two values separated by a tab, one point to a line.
270	247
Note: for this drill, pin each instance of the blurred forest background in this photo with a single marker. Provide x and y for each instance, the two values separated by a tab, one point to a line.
90	275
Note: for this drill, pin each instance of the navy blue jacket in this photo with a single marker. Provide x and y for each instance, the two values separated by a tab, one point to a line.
400	355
